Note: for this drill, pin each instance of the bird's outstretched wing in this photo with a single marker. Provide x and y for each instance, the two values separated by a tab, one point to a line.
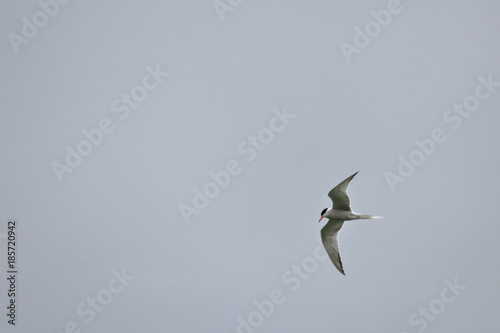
330	238
339	195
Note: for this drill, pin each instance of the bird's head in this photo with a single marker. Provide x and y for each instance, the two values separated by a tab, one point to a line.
322	214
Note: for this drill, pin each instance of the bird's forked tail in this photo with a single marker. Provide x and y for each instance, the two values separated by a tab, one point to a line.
361	216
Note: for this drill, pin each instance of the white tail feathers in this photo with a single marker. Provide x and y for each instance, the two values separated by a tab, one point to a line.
360	216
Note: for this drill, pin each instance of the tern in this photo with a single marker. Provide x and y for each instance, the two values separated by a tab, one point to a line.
337	215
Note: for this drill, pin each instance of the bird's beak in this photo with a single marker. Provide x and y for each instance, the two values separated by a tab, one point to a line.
320	219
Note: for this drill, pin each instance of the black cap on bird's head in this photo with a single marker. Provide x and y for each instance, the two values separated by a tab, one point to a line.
322	213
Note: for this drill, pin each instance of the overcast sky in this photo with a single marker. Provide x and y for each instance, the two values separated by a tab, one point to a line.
167	162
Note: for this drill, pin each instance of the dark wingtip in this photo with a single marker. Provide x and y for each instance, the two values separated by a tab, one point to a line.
354	174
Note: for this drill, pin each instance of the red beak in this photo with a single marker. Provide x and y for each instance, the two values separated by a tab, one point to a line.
320	219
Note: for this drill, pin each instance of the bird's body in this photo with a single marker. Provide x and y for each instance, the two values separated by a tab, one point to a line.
337	215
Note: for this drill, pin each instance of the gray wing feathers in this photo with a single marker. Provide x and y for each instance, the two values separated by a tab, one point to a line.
330	238
339	195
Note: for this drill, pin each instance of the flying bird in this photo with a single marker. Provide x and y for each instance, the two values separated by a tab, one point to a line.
337	215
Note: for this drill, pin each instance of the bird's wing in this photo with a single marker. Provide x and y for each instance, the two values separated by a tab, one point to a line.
330	238
339	195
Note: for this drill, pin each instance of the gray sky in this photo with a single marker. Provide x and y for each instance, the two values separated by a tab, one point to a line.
116	115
